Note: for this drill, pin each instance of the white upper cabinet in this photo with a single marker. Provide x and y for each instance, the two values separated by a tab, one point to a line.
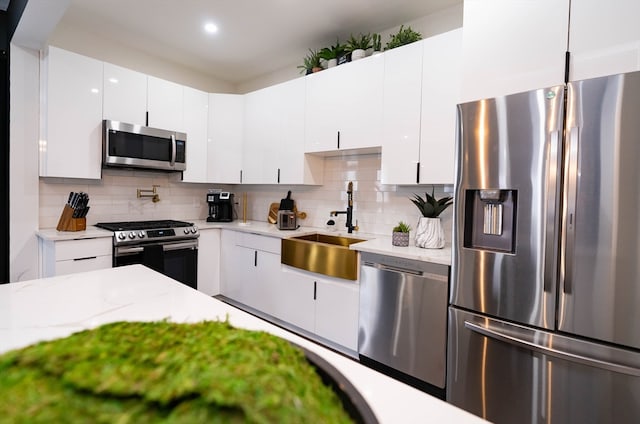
125	95
401	114
224	139
421	91
274	137
344	106
71	115
441	74
511	46
604	38
165	104
262	120
196	115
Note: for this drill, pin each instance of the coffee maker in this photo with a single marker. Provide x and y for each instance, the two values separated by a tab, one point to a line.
220	207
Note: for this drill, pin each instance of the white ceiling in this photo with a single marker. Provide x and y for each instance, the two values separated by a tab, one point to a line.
255	36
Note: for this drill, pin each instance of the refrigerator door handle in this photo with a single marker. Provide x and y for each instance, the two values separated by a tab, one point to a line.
551	234
568	231
522	342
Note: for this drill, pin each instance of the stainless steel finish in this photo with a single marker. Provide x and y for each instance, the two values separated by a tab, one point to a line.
107	160
514	374
498	152
601	294
166	246
403	315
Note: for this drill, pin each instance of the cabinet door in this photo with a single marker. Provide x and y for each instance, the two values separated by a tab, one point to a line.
510	46
295	299
321	111
165	104
72	115
196	104
401	114
360	102
604	38
225	135
294	169
441	73
209	262
261	137
125	95
337	309
231	265
73	266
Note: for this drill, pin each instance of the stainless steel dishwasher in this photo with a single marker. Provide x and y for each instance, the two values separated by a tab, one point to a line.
403	318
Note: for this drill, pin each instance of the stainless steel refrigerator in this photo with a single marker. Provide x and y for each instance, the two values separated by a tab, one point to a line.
544	316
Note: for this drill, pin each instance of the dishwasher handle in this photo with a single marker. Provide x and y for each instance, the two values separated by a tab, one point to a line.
390	268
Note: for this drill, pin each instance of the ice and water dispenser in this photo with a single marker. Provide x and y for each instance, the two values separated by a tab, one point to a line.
490	220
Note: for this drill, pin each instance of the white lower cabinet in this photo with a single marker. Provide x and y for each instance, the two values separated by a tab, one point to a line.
209	261
325	306
250	267
60	257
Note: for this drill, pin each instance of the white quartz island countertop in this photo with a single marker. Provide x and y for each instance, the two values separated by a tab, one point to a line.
36	310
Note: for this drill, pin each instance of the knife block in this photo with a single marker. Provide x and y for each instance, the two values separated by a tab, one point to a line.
68	223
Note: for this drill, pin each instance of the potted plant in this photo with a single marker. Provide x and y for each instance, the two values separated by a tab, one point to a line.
429	233
376	43
400	235
358	45
402	37
332	54
311	63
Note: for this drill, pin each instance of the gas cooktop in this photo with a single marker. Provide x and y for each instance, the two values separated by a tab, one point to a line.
142	225
139	232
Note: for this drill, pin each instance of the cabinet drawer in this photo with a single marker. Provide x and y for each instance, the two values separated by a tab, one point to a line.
75	249
72	266
254	241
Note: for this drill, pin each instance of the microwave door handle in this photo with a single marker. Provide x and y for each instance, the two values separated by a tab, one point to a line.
173	149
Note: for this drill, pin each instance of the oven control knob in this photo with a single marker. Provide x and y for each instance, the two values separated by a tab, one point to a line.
186	231
141	234
121	236
132	235
194	229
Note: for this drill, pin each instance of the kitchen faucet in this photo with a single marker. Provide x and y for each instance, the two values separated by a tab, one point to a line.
349	211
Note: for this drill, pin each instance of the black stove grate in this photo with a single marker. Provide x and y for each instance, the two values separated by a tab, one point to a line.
142	225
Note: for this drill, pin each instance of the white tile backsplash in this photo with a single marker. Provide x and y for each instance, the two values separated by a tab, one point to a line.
377	207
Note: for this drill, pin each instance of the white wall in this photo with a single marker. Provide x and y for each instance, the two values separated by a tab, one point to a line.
23	163
436	23
84	42
378	208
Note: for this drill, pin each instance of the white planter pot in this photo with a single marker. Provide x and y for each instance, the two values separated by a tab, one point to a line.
357	54
430	234
332	62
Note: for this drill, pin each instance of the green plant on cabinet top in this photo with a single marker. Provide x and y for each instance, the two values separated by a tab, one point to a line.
402	37
362	41
311	62
332	52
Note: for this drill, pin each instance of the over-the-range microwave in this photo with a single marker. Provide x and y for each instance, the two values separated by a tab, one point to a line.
128	145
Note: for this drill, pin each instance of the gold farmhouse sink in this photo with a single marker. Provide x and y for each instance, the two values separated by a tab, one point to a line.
322	253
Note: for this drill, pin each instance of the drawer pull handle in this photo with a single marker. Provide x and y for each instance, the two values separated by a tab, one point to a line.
85	259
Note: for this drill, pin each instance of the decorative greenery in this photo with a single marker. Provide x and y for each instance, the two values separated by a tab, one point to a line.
311	60
402	227
362	41
332	52
402	37
431	207
164	372
376	42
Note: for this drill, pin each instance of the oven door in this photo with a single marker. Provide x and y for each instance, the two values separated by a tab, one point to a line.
178	260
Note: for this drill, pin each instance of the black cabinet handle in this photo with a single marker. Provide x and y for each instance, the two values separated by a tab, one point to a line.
278	175
241	176
255	258
418	173
338	139
85	258
315	290
146	118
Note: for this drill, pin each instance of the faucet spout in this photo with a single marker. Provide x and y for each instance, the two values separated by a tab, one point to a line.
349	211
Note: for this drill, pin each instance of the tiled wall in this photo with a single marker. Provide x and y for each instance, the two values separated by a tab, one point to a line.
377	207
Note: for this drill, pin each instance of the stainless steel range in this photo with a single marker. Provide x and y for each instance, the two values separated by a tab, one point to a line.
167	246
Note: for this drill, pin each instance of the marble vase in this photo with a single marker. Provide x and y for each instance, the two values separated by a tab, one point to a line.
430	234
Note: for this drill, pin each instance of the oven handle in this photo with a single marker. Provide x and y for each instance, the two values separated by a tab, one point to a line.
123	250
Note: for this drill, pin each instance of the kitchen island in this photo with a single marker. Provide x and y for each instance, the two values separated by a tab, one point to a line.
50	308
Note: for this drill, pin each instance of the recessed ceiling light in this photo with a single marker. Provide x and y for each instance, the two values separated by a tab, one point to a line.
211	28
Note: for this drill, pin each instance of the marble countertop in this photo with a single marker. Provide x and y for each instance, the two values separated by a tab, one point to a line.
45	309
374	243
